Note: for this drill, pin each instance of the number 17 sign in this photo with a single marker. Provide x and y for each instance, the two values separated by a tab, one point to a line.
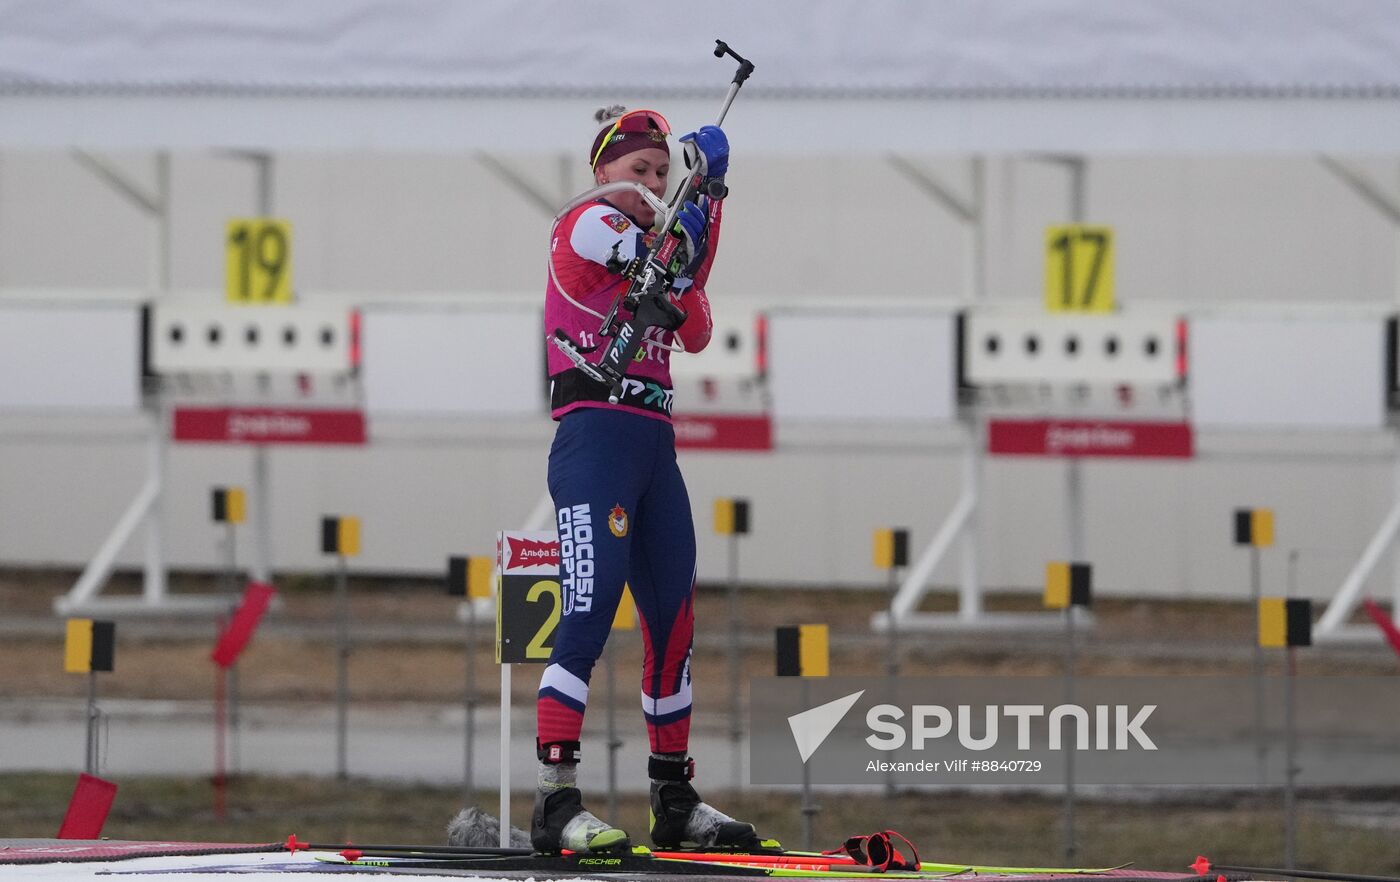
1079	269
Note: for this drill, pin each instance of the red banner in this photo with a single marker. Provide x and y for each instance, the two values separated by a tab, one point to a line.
528	553
723	432
244	622
1089	438
268	425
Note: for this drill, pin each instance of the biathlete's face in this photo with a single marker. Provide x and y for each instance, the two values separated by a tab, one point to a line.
647	167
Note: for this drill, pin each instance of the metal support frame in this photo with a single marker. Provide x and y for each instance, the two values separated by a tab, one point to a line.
971	211
961	522
531	192
1077	169
260	567
959	526
84	597
145	508
1332	627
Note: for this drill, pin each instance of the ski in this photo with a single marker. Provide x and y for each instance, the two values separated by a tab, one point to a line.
577	864
924	866
1204	865
1023	871
929	868
765	862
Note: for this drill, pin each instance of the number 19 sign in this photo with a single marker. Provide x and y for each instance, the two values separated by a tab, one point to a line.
258	260
1079	269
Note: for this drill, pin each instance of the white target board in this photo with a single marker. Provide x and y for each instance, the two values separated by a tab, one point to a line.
70	358
1070	348
1273	372
195	338
853	367
454	362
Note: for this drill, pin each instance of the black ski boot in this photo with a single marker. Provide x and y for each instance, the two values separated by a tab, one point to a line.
561	822
679	817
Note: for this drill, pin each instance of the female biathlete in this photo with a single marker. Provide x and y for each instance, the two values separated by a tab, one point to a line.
622	511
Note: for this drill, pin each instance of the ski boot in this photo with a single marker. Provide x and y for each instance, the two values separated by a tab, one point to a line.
560	821
678	816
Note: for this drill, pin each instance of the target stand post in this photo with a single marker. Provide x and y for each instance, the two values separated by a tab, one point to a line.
804	651
1254	528
1068	586
1287	623
89	648
340	536
228	507
528	608
732	519
891	554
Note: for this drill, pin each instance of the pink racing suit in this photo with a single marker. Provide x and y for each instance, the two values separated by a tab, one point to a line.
584	241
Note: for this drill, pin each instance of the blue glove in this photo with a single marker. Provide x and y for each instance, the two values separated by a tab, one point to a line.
692	223
692	220
712	142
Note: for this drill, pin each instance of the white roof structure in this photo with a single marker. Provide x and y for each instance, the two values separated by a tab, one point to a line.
1132	76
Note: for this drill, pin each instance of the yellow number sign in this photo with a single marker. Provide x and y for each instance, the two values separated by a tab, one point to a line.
528	609
258	264
1079	269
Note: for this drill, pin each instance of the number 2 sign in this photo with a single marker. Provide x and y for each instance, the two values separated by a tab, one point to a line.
1079	269
258	264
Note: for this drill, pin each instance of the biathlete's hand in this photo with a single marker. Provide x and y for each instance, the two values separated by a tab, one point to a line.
712	142
692	220
691	224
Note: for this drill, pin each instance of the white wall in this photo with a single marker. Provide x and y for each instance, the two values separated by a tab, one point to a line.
1152	529
1241	229
1192	229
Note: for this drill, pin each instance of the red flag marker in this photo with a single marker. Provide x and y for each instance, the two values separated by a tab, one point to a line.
1201	865
293	844
244	622
87	810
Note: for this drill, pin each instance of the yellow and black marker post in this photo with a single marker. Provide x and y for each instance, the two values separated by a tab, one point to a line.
732	520
1287	623
1254	528
229	506
891	554
804	651
469	578
340	536
1069	585
1284	623
90	648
